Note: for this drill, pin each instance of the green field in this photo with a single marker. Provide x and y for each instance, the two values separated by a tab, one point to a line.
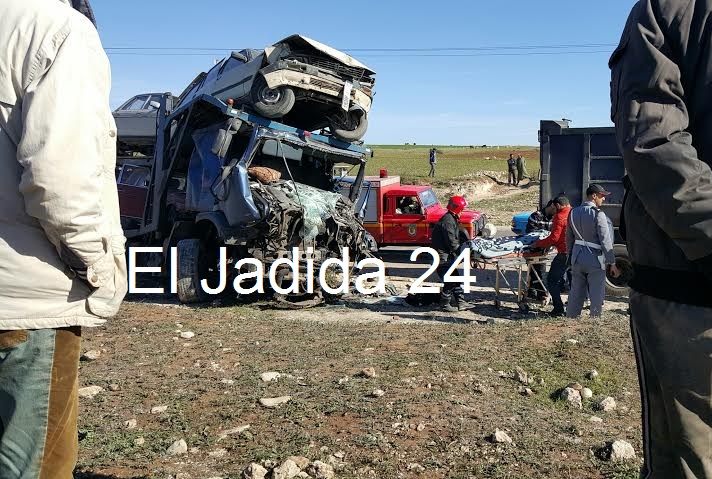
411	162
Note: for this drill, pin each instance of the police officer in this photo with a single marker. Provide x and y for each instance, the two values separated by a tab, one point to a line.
446	241
661	96
589	240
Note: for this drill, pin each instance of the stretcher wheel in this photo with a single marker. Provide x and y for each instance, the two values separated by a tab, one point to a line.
523	308
497	304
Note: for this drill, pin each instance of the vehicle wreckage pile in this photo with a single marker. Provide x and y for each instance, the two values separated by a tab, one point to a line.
225	173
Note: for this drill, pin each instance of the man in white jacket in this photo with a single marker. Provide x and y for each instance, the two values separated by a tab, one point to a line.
62	263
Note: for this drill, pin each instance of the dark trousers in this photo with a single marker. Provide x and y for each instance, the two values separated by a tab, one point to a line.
432	170
535	285
555	281
449	289
512	178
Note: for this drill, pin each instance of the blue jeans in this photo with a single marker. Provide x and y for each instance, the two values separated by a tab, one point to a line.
38	403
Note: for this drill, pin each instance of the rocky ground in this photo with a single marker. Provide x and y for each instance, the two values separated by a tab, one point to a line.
363	388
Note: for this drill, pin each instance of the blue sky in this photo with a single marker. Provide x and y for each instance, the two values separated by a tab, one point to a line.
468	100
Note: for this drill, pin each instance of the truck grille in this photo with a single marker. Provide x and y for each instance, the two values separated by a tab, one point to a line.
324	84
336	67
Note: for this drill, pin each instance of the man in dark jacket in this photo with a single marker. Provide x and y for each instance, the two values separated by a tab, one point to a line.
661	97
446	241
539	221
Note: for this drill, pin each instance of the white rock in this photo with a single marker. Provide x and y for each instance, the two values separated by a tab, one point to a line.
177	448
268	377
368	372
159	409
114	387
254	471
377	393
413	364
344	380
287	470
230	432
320	470
303	475
607	404
572	396
415	467
187	335
139	441
592	375
586	393
130	424
595	419
572	341
218	453
621	451
501	437
227	382
89	391
420	427
301	461
275	402
91	355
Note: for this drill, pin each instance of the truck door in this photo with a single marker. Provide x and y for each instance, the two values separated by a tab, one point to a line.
132	186
404	221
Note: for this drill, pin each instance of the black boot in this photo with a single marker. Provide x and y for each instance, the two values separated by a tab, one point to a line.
446	306
462	305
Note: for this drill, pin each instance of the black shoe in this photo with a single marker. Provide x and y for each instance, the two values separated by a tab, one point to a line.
557	313
449	308
464	306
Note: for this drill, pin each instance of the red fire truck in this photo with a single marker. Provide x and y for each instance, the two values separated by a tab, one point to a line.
403	215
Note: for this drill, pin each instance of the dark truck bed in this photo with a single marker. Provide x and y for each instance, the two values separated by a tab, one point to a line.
573	158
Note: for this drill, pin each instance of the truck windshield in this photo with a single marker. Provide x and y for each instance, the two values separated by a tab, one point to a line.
428	198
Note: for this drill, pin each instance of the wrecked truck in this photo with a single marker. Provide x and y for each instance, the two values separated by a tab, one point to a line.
300	81
222	177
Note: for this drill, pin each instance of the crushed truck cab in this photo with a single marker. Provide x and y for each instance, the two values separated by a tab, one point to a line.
404	215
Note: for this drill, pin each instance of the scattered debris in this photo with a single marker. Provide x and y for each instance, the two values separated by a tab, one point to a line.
91	355
572	396
275	402
606	404
89	391
177	448
268	377
368	373
254	471
501	437
618	451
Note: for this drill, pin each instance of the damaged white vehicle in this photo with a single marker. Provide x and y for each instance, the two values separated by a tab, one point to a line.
300	81
221	178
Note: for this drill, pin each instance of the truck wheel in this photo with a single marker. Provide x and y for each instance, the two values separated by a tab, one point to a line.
349	126
192	267
271	102
619	286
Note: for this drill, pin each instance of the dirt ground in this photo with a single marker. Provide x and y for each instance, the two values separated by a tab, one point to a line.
448	382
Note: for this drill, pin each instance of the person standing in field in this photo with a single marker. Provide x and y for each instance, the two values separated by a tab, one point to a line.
433	162
521	169
511	170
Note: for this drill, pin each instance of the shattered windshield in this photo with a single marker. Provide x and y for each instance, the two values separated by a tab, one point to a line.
428	198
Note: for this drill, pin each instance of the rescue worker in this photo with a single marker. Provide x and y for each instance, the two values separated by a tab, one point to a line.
446	241
557	239
539	221
589	241
661	97
433	161
511	170
62	246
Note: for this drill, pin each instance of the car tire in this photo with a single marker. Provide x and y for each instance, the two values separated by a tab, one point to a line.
351	128
190	271
271	102
619	286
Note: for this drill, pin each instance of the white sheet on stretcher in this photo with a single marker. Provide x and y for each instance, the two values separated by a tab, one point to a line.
495	248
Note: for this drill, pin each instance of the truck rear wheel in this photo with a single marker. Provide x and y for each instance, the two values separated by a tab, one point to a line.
619	286
192	267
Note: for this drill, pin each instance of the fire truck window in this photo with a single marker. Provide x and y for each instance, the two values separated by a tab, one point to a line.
408	205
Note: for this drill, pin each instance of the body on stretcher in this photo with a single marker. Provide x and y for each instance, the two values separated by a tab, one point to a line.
513	253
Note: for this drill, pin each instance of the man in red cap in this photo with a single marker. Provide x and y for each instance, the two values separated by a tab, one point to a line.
446	241
589	241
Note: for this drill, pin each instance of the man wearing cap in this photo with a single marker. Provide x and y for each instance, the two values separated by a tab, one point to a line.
446	241
589	241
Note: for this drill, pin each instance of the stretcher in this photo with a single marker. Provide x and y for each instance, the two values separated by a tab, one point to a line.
524	264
